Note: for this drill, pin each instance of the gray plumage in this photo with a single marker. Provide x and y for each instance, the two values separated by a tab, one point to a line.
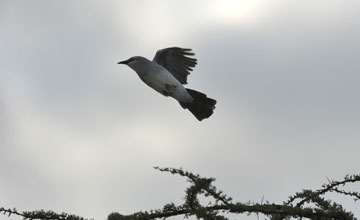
167	73
177	61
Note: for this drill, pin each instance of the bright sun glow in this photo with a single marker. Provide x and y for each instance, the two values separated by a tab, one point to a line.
237	11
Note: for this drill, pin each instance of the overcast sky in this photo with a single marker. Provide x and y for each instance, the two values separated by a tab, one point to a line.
80	134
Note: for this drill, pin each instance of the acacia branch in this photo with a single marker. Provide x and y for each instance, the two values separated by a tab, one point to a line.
41	215
332	186
320	209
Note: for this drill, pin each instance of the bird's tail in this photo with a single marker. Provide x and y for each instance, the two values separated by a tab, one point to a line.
201	107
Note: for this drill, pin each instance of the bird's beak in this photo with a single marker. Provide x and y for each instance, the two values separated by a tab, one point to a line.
123	62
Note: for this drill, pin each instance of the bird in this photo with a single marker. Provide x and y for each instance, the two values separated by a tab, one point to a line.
167	74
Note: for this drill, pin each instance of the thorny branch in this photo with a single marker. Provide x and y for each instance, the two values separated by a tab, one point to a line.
41	215
318	208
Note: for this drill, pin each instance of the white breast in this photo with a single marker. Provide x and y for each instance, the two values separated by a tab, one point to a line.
160	79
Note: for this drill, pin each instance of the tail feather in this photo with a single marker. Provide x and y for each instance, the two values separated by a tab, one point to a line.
201	107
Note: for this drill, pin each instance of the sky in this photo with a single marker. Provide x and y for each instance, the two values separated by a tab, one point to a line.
81	134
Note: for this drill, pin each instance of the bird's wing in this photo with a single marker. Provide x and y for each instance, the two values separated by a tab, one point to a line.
177	61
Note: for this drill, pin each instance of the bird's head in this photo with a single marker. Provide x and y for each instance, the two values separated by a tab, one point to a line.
132	61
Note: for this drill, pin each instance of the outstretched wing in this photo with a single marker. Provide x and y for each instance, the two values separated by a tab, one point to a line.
177	61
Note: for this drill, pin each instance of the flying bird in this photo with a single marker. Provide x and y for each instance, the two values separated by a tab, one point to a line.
167	73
